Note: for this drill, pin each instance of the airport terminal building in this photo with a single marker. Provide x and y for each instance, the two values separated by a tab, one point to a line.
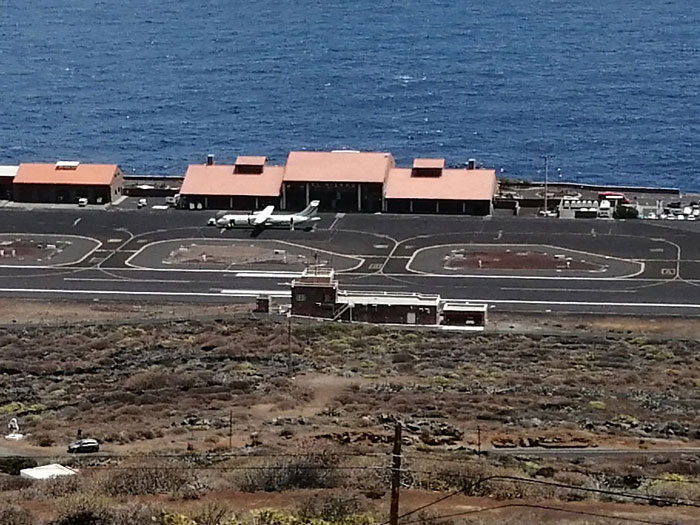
343	181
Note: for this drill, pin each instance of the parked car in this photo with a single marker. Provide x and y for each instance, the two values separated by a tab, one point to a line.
84	446
82	202
142	203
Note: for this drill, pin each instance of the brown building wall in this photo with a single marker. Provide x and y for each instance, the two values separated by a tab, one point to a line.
313	301
438	206
334	196
5	188
61	193
464	318
225	202
396	314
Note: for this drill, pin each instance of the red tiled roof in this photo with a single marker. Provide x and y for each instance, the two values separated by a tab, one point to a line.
337	166
84	174
451	185
429	163
221	180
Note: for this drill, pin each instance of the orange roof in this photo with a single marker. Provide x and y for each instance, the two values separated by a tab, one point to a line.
243	160
432	164
88	174
337	166
220	179
453	184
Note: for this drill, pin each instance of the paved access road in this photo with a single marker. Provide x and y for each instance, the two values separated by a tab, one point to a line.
650	267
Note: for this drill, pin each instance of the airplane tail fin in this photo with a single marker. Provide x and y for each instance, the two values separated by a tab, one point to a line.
310	210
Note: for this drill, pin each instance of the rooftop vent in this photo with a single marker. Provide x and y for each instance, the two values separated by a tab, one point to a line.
249	165
427	167
67	165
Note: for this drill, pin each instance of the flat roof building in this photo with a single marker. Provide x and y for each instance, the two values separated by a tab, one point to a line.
341	180
248	184
68	181
429	187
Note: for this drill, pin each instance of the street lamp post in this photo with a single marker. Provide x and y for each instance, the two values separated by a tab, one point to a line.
546	158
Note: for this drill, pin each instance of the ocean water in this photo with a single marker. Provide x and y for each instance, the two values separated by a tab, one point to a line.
612	89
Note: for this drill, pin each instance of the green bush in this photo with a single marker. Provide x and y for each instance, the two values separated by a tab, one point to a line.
12	465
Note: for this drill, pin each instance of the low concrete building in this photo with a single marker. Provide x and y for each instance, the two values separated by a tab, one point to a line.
388	308
249	184
429	187
316	294
68	181
463	313
51	471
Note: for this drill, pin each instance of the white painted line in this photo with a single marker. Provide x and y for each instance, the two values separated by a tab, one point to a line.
125	280
255	293
587	303
114	241
269	275
113	292
358	258
160	207
77	221
571	290
492	245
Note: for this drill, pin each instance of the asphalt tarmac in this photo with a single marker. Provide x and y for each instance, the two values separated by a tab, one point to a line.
650	267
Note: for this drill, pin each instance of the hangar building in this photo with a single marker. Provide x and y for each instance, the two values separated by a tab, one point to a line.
341	180
429	187
68	181
248	184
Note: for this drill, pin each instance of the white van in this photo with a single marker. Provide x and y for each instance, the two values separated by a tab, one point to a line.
82	202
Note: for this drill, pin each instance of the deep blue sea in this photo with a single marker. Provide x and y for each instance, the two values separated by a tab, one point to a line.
611	88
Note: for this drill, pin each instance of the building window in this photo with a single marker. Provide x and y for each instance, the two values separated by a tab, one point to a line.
301	297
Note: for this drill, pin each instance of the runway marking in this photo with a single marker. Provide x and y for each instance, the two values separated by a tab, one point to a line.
506	245
255	293
360	260
338	216
587	303
572	290
97	280
271	274
240	293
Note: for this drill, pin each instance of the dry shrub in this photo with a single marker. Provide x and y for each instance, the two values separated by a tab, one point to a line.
331	506
10	483
148	380
212	514
13	516
134	481
312	470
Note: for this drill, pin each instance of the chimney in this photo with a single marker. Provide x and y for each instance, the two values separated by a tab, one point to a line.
471	164
210	160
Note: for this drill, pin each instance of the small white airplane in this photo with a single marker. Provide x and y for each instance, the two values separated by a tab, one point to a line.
265	219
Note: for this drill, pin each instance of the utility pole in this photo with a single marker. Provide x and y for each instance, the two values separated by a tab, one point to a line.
395	476
289	345
478	441
546	158
230	430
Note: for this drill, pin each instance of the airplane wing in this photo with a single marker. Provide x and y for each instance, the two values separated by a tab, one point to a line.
261	217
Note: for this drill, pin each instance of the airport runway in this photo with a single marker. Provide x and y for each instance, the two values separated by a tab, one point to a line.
635	267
